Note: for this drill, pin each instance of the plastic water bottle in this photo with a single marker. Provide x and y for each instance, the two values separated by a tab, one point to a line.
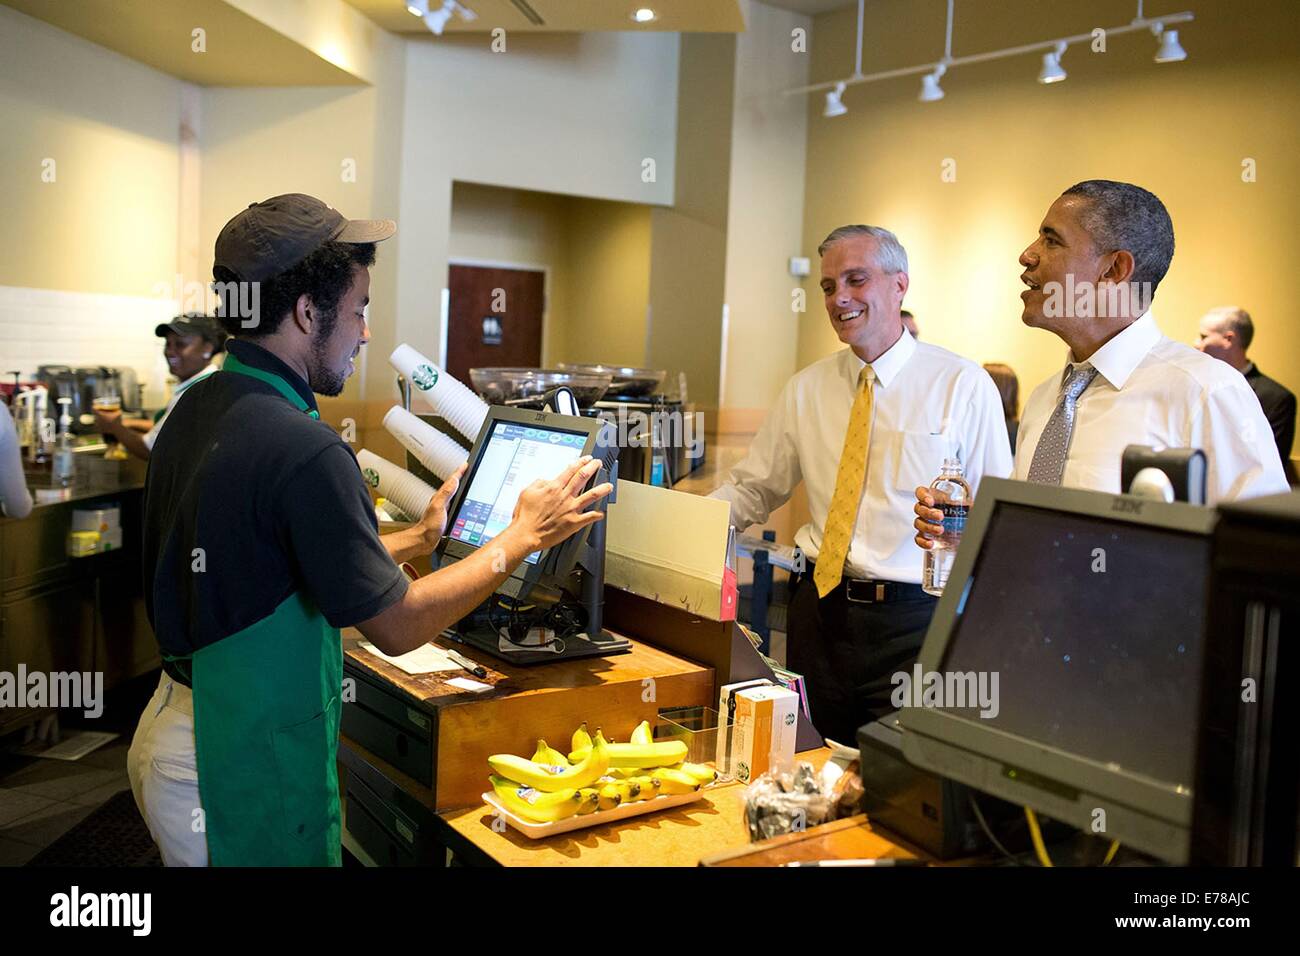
952	496
64	460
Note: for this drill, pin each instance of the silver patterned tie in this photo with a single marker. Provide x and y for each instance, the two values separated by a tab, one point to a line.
1048	465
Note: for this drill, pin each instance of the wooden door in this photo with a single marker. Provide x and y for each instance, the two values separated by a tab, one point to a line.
494	318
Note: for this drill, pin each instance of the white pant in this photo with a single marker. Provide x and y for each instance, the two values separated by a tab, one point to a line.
164	776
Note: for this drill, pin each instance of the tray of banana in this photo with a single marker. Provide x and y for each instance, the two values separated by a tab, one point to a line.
597	782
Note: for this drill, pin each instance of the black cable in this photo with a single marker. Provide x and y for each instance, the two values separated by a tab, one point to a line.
988	832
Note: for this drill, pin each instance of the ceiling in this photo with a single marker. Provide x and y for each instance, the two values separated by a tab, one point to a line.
569	16
239	50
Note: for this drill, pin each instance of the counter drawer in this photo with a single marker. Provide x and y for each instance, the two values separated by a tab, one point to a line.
390	728
389	824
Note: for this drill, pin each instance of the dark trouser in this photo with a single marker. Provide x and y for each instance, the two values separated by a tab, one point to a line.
848	652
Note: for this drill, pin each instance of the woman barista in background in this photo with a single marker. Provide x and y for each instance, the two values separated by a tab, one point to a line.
192	341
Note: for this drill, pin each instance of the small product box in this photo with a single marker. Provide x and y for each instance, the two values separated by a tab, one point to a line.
727	720
767	719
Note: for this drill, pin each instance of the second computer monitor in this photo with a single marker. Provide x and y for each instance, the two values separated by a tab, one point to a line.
1073	624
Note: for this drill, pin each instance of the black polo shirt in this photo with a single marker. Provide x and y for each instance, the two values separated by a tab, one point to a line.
247	500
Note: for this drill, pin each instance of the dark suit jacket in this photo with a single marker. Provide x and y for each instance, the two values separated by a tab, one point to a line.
1279	408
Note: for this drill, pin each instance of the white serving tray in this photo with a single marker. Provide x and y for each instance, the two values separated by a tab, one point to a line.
537	831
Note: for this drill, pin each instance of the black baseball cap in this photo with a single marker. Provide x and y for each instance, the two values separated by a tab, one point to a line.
275	235
192	324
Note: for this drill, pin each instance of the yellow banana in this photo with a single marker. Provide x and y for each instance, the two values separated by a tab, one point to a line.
625	789
581	739
638	756
646	787
533	804
549	756
590	798
610	796
530	774
643	734
702	774
674	781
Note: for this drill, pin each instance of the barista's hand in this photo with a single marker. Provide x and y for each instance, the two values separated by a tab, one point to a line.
434	523
929	519
551	511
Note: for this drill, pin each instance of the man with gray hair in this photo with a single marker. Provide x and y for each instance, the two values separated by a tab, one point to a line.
1102	249
862	428
1226	334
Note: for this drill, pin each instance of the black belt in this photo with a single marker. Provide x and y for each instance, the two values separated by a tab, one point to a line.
867	590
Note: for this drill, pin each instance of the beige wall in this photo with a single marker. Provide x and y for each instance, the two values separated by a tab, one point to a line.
607	284
1181	130
765	212
108	223
597	257
576	115
689	240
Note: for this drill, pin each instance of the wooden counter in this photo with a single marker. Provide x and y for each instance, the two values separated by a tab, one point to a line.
849	839
682	836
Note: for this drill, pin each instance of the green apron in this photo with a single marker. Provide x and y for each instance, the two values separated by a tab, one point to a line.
266	728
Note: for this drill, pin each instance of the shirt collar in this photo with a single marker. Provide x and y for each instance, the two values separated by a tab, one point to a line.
258	357
1116	360
890	363
208	370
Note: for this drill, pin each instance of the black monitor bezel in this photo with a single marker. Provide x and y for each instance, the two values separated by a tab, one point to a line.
1161	799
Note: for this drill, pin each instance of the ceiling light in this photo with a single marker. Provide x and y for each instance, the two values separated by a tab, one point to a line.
1051	71
930	88
437	20
417	8
1171	51
834	105
643	15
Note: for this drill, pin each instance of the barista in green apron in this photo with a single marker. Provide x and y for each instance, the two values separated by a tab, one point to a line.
251	691
260	543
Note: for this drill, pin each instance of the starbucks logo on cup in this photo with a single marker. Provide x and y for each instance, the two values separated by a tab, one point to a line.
424	377
371	476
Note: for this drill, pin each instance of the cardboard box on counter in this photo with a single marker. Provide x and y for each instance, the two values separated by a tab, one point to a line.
767	721
671	547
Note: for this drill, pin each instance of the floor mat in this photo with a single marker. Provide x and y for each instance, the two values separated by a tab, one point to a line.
113	835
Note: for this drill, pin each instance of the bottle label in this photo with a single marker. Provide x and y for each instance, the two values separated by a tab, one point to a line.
954	519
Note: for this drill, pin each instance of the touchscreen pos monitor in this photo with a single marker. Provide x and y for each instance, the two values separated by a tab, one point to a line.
515	448
1085	615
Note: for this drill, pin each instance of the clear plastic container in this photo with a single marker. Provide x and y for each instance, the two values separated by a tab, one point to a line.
698	728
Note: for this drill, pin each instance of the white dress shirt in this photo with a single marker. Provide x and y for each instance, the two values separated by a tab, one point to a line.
151	435
15	499
1151	390
928	404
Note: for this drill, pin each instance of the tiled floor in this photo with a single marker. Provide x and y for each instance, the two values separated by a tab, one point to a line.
40	800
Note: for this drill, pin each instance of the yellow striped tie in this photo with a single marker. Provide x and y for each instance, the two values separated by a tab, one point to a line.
848	490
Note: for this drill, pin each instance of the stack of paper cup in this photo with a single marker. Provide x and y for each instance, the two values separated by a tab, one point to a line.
440	392
396	484
434	450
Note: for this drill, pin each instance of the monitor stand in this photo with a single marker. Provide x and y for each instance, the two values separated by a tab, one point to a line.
478	633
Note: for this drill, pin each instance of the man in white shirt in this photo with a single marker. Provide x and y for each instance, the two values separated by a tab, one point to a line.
861	429
1101	251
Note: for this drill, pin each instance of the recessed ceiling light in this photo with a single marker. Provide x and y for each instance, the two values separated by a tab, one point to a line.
644	15
417	8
